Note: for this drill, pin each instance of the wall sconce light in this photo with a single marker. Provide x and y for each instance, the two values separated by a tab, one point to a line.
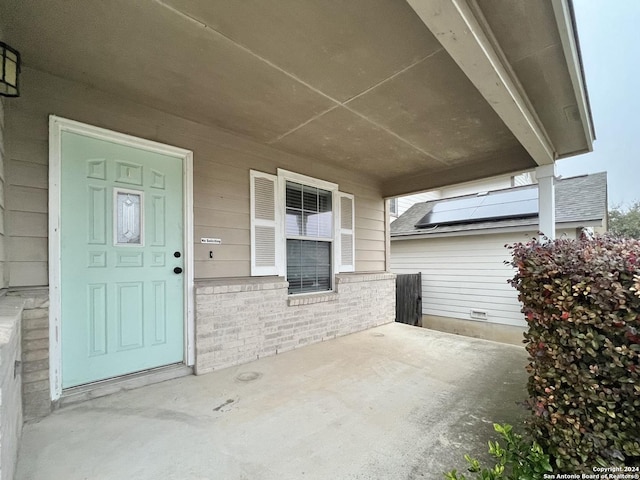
9	71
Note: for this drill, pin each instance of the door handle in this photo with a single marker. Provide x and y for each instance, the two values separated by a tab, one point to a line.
176	254
177	270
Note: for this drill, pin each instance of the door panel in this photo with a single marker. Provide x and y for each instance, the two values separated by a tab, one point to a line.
122	220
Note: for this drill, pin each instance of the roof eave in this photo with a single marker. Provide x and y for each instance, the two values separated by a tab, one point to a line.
459	30
565	18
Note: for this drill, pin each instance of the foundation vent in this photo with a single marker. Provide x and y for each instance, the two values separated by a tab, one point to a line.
478	314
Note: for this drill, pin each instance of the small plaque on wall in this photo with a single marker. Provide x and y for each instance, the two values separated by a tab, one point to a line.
211	241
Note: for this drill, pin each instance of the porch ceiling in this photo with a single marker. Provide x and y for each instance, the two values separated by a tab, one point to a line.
363	84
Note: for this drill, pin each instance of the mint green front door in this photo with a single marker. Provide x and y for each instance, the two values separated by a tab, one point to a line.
121	237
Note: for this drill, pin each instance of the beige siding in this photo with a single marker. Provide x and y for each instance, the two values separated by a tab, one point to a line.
460	274
221	178
4	279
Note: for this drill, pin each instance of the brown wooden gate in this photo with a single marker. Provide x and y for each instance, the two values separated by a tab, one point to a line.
409	298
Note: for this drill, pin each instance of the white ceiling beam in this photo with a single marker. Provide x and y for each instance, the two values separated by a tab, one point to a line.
456	27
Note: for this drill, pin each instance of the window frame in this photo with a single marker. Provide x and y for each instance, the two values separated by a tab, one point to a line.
272	190
285	176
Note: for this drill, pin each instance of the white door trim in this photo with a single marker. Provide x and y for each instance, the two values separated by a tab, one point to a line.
57	125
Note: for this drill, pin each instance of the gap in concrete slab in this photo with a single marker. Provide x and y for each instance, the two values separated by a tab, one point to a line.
127	382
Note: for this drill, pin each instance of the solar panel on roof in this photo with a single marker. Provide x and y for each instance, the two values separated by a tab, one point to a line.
493	206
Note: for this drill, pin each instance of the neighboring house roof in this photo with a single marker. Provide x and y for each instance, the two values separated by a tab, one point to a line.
580	200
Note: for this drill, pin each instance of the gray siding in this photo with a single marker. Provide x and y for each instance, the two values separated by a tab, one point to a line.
460	274
221	178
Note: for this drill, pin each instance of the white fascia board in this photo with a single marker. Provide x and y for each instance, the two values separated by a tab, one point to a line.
564	19
490	231
456	27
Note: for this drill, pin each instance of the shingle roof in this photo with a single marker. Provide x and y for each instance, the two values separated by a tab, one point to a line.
578	199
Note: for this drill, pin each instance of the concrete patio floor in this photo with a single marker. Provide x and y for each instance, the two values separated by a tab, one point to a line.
394	402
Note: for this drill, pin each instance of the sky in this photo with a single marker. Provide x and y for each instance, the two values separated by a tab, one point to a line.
609	33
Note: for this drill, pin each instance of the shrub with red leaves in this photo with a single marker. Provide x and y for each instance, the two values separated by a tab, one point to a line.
581	300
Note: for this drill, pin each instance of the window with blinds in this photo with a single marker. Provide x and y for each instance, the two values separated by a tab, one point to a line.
301	227
309	236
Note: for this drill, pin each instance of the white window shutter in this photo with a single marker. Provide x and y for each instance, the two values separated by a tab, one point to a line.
265	234
346	239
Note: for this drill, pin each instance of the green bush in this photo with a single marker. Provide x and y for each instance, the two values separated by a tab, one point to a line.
581	300
518	460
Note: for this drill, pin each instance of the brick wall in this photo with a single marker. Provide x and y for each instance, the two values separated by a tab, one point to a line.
237	321
10	385
240	320
36	395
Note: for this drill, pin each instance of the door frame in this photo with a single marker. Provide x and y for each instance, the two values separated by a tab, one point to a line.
57	125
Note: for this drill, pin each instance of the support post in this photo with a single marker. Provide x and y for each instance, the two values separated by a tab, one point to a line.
546	175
